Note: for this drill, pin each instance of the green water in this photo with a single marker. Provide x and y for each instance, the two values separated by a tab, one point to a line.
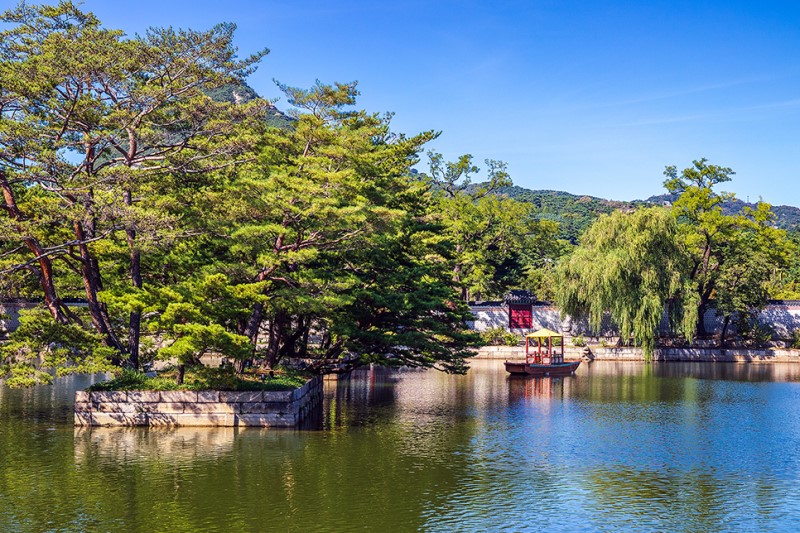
663	447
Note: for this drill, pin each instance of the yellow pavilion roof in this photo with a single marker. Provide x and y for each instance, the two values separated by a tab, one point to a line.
544	332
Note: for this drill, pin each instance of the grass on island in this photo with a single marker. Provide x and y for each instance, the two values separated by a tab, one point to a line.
204	378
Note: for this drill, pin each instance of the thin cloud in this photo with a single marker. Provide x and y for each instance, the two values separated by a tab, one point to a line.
730	114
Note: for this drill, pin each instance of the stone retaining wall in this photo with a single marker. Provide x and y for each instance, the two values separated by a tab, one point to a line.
661	354
738	355
198	408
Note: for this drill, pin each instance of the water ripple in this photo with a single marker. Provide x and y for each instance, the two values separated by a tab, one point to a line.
615	448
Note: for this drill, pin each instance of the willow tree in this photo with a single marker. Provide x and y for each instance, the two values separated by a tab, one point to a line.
631	266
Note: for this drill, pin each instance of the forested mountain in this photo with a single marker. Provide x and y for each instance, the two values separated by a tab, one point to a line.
242	93
786	216
575	213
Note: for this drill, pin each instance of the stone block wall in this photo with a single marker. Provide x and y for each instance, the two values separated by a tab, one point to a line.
487	317
198	408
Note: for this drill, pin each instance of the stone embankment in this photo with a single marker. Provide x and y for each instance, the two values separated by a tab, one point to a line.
198	408
738	355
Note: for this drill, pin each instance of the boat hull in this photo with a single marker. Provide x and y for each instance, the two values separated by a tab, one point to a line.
521	368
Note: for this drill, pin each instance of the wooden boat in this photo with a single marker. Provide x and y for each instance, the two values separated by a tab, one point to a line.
544	357
521	368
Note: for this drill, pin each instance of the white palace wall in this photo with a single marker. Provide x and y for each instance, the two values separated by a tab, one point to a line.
783	316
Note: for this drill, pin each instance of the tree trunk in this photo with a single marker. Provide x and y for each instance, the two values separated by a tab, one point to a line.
277	327
53	303
289	342
135	319
326	340
701	325
335	350
251	330
181	373
254	323
304	344
724	331
92	283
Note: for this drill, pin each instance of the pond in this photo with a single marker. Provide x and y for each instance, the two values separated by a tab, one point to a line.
619	446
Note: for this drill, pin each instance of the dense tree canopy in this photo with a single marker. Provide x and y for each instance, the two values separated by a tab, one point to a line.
89	121
733	256
190	225
682	260
141	176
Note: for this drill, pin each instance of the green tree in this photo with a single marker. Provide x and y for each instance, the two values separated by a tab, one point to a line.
323	223
785	283
540	261
191	226
198	317
632	266
41	344
316	192
403	309
733	256
750	261
89	121
490	235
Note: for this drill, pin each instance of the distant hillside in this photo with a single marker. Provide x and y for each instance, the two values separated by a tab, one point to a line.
239	94
573	213
576	213
786	216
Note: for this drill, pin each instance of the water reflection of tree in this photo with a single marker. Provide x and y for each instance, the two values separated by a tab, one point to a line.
363	397
630	382
384	475
395	451
421	450
754	371
731	371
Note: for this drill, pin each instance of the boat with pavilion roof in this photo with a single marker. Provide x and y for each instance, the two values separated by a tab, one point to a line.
544	356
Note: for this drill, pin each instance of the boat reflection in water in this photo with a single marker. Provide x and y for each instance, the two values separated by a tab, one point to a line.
521	388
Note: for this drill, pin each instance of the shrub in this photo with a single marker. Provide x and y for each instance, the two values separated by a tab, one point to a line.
795	339
757	332
510	339
579	341
493	336
40	344
205	378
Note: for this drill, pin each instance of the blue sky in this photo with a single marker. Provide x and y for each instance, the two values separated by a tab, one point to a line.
590	97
